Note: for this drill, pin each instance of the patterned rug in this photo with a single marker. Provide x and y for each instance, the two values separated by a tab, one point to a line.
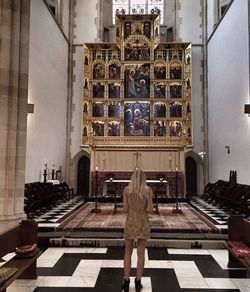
188	221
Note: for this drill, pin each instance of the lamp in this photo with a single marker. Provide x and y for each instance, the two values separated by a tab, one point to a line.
30	108
247	109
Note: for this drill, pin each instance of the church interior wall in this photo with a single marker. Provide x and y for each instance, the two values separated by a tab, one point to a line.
48	60
65	17
77	115
85	17
190	31
86	22
211	16
197	98
228	91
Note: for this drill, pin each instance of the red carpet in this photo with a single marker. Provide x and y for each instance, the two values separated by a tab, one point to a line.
188	221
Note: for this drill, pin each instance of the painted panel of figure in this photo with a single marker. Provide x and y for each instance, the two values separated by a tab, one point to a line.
159	109
175	90
114	109
175	71
159	90
175	109
98	128
114	90
114	71
137	81
175	128
113	128
98	90
160	71
137	119
99	71
127	30
159	128
137	52
98	109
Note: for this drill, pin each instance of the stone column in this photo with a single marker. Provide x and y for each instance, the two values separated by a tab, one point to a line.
14	57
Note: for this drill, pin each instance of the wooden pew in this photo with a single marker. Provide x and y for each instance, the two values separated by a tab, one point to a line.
238	244
25	233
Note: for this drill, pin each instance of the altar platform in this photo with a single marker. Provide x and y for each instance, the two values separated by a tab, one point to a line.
75	221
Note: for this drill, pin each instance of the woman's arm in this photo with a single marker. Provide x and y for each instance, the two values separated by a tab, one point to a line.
125	199
150	207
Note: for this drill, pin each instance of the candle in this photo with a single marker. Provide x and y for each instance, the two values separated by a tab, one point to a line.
96	168
176	168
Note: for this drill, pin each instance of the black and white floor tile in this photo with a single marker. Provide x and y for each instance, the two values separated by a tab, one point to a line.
217	215
101	270
52	218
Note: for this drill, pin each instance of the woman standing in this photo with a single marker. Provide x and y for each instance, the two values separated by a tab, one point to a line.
137	202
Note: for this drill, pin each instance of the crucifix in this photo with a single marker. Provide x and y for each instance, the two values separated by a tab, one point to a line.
137	157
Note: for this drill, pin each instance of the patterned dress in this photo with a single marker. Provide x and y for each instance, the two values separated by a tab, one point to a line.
137	222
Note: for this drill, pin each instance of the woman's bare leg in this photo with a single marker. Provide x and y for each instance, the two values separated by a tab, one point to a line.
141	245
127	257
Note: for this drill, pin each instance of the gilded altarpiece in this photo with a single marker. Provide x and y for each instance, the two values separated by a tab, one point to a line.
137	95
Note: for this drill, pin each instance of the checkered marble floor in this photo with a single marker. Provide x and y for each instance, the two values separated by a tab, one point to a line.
218	216
52	218
82	269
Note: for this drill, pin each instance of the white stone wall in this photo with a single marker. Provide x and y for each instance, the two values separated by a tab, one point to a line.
65	17
190	21
86	21
211	16
228	91
86	29
48	61
189	29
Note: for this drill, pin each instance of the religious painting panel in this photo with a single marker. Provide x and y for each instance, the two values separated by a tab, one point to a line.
160	71
175	128
138	51
114	71
159	128
98	89
114	109
98	109
98	128
113	128
175	90
114	90
137	81
175	71
99	71
127	29
137	119
159	109
147	30
175	109
159	90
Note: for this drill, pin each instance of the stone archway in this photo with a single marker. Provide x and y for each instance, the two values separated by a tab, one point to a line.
194	174
80	174
83	171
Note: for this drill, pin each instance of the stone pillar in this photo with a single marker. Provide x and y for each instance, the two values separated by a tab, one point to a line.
14	56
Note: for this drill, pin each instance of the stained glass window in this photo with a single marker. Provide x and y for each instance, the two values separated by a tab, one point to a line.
138	7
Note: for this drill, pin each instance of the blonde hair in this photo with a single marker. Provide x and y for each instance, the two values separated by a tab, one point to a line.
138	185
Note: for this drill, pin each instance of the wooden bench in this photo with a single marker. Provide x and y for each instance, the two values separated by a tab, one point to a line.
25	233
238	244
